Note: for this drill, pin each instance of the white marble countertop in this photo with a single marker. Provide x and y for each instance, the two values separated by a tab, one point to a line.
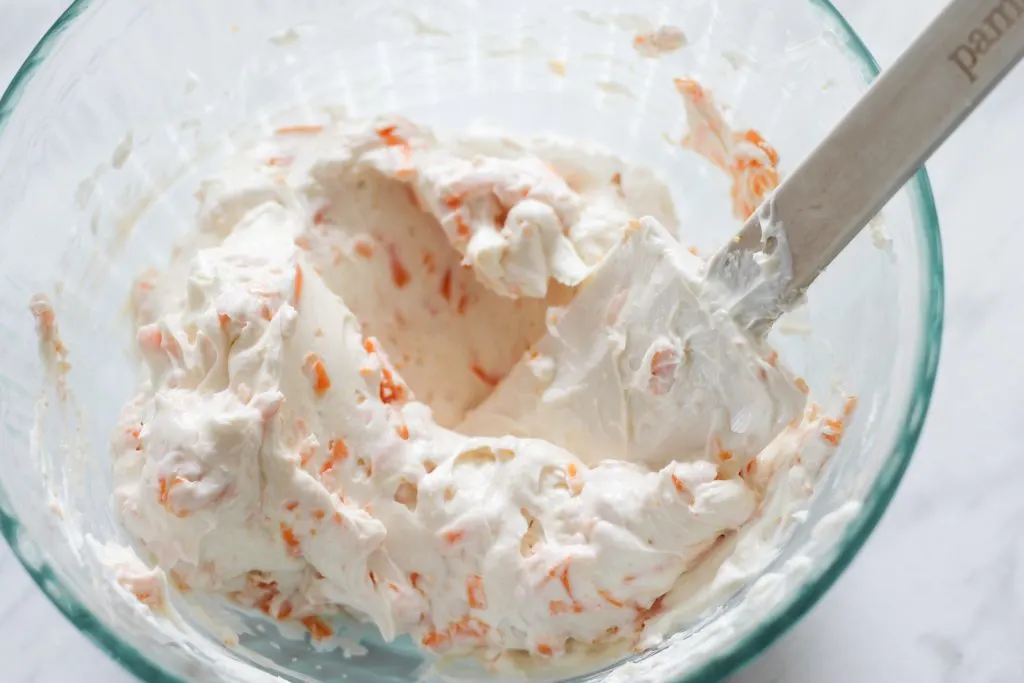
938	592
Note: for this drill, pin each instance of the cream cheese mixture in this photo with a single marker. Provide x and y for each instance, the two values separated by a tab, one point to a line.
474	390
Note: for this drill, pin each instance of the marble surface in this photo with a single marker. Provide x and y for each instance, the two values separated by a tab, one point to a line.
938	592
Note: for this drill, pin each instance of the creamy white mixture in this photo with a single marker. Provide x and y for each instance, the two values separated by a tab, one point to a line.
474	390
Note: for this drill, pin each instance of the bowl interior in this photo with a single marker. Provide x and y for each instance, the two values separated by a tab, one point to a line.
124	107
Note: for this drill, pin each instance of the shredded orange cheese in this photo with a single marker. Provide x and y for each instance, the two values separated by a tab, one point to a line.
475	592
836	433
609	599
317	627
434	639
307	129
337	451
399	274
850	406
363	248
291	540
483	376
446	285
390	389
317	373
298	284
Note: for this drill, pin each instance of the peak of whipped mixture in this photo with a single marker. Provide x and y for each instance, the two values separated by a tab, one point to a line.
473	390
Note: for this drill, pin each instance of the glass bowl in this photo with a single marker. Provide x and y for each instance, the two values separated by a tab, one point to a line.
124	105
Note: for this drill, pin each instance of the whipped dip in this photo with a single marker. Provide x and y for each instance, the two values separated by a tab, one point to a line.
474	390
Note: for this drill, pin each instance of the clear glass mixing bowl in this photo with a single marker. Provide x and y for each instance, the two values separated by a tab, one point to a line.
123	105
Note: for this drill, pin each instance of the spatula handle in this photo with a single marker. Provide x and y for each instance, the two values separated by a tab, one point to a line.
891	131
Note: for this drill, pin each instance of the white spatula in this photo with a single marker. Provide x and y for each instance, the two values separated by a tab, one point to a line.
870	154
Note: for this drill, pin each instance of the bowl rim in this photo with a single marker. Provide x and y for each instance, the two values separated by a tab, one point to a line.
784	616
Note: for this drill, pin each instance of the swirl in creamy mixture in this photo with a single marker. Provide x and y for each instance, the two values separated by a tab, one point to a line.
472	391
